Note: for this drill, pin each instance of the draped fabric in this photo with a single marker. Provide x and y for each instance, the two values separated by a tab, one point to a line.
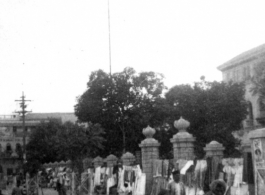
159	183
248	171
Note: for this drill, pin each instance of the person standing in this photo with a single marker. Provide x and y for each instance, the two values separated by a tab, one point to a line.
17	189
176	187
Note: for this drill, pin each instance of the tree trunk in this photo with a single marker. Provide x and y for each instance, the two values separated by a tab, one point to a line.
123	140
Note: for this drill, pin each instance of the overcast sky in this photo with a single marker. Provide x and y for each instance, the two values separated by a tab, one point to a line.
48	48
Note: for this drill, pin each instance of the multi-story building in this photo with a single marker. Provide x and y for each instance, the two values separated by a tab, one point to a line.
11	137
241	69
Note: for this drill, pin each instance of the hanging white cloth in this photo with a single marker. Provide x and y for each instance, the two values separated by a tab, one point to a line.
140	190
97	176
186	167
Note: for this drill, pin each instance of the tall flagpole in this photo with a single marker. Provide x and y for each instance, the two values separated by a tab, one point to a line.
109	40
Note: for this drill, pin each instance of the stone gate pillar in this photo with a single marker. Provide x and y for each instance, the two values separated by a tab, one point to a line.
258	156
183	142
128	159
214	149
98	161
111	160
150	152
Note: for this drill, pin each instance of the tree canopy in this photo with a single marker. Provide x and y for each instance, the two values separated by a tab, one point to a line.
53	141
123	103
126	102
214	110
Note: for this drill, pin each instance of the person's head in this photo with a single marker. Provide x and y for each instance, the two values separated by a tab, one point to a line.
218	187
176	176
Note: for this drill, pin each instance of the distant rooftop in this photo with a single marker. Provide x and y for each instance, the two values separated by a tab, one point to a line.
57	115
32	119
252	54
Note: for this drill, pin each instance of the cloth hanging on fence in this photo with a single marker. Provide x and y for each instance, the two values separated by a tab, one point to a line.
97	176
186	167
91	184
216	168
238	168
165	167
160	168
199	174
121	187
159	183
238	176
110	183
157	168
230	174
176	188
208	175
180	163
138	188
248	171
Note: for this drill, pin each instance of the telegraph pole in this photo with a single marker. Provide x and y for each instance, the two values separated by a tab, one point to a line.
23	111
109	40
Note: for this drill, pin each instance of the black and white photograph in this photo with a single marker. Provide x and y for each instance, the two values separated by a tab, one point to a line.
132	97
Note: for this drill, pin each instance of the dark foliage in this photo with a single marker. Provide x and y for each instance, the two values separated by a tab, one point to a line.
53	141
214	110
123	103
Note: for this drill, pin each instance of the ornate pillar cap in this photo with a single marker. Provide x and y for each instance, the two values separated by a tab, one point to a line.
181	124
149	132
127	155
111	157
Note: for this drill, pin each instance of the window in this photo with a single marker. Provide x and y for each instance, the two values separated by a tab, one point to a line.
18	147
250	110
8	148
261	105
14	129
9	171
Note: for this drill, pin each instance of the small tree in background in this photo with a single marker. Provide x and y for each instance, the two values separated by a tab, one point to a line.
53	141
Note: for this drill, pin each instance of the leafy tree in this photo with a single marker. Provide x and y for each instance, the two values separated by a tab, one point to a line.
77	142
214	110
53	141
123	103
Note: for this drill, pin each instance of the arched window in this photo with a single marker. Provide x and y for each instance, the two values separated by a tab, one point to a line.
18	147
250	110
8	148
261	105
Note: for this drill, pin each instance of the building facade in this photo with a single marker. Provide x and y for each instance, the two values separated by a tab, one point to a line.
241	69
11	137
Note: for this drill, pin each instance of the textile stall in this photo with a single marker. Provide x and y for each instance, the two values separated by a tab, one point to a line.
197	175
119	179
